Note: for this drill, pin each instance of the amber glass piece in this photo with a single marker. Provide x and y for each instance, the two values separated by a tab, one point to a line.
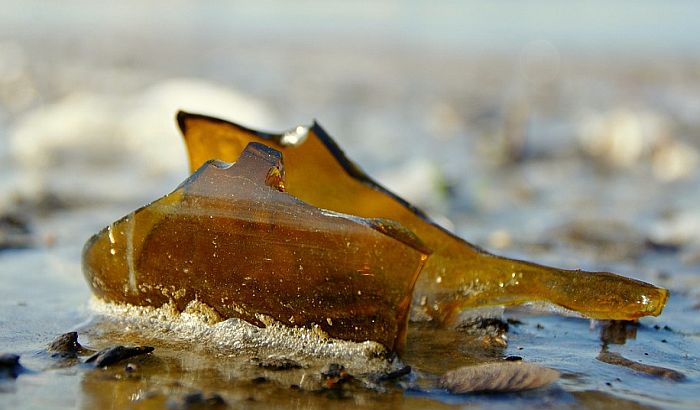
458	275
230	237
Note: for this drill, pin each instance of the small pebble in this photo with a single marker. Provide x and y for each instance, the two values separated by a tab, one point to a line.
9	365
66	344
8	360
116	354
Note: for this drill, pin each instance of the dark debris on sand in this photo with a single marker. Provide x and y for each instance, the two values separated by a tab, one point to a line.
9	366
657	371
66	346
396	374
116	354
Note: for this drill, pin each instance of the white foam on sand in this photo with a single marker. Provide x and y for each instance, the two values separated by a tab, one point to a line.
200	324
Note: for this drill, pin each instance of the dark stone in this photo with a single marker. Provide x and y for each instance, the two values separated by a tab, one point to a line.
8	359
116	354
66	345
9	365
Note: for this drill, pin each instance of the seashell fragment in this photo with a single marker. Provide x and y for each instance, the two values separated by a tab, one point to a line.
498	377
232	238
458	275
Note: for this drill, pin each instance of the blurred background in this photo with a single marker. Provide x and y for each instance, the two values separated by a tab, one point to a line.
511	124
568	133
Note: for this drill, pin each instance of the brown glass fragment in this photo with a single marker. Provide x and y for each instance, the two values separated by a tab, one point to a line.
458	275
230	237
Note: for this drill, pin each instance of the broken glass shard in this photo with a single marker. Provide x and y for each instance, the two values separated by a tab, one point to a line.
458	275
232	238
